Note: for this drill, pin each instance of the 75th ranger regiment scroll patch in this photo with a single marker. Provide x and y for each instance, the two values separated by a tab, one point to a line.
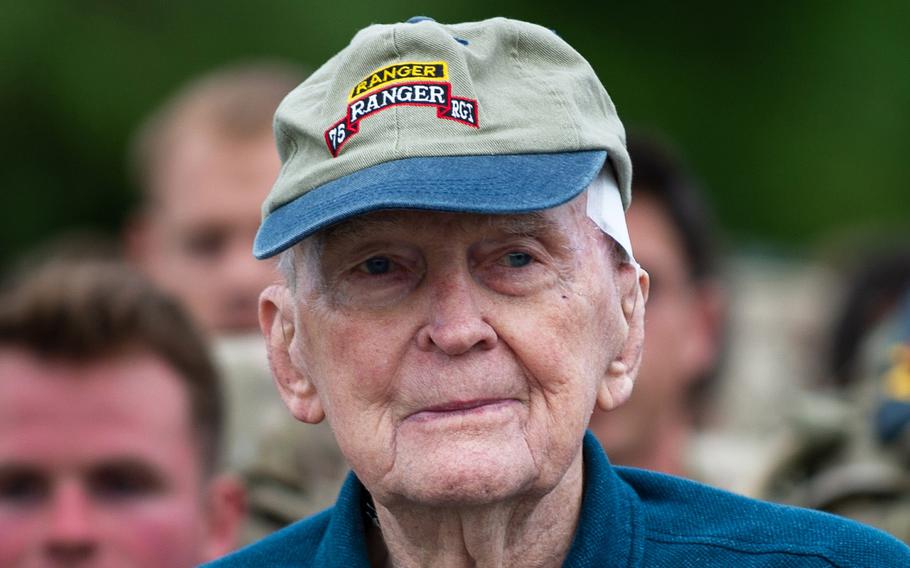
413	84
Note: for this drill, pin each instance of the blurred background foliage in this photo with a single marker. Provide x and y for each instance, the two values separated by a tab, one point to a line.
796	115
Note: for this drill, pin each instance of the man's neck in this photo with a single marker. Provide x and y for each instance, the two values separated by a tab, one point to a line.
524	532
665	448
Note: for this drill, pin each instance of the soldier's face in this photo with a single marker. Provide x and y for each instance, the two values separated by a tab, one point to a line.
198	233
98	465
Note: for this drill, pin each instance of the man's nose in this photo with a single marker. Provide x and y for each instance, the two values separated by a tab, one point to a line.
71	524
455	323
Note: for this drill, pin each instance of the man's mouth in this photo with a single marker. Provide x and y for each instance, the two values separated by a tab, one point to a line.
463	408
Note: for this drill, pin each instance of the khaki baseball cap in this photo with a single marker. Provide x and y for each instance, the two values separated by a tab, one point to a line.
494	117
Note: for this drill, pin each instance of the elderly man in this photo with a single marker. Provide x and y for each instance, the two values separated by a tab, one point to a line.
109	426
460	295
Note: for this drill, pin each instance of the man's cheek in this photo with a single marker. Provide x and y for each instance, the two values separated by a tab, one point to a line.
524	337
359	358
156	535
15	539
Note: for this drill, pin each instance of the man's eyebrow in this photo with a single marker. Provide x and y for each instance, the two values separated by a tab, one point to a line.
359	226
139	469
534	222
127	462
17	468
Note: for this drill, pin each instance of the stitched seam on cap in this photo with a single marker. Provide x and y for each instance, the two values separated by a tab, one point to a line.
291	140
549	88
557	94
291	155
397	111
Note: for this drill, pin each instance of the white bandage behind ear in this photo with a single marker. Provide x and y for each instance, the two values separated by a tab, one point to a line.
605	209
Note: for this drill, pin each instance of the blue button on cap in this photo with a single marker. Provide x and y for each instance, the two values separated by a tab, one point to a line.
417	19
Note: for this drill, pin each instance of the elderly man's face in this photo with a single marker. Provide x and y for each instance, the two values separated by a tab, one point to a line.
458	357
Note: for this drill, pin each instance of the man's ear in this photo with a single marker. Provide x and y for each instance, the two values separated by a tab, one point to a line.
709	307
295	385
226	509
616	386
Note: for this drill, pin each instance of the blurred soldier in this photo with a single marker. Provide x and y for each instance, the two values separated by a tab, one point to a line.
110	417
671	228
850	449
204	162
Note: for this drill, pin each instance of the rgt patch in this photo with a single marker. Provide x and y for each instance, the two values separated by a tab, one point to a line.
413	84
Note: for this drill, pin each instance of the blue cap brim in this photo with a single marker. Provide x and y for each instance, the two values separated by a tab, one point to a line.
498	184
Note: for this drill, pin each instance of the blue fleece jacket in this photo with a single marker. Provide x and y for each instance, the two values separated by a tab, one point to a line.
629	518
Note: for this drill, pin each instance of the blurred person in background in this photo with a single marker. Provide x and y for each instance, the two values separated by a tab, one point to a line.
110	415
204	162
671	226
849	449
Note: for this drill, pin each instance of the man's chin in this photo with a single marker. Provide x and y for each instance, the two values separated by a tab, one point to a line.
467	470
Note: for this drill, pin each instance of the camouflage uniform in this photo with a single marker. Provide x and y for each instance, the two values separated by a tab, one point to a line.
291	469
851	454
298	472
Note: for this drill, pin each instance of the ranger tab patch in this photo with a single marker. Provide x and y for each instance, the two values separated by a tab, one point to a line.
413	84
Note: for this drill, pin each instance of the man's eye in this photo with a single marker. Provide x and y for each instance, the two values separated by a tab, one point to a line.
125	482
206	244
517	259
23	487
376	265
